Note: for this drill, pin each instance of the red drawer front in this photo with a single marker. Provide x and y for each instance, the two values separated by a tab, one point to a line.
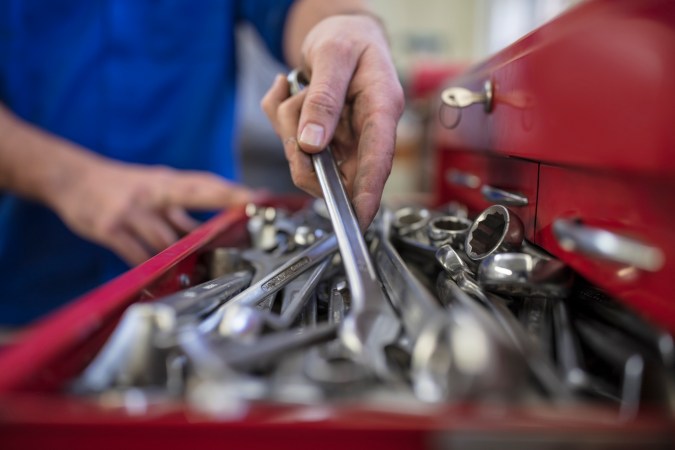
594	88
463	175
630	206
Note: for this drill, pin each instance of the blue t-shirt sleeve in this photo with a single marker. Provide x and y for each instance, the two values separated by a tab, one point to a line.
268	17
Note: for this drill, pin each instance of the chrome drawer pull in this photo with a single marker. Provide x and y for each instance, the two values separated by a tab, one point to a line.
502	197
462	179
573	236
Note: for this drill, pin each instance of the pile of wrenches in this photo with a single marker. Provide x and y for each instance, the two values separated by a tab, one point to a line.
457	309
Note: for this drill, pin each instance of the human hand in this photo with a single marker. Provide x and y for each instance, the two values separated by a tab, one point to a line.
137	211
353	102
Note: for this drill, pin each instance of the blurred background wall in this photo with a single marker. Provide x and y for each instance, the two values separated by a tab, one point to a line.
423	33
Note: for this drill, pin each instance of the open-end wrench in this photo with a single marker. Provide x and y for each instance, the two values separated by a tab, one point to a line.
134	352
539	363
268	349
372	324
331	365
570	360
274	281
246	322
437	336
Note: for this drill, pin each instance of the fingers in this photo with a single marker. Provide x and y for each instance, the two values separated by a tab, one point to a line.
204	191
180	219
273	99
283	112
300	163
127	247
376	153
152	230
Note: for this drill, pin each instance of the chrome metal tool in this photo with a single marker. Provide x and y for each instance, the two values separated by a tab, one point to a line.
372	323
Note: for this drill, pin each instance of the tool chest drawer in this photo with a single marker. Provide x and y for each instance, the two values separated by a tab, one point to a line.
616	230
41	405
593	88
594	115
480	180
535	351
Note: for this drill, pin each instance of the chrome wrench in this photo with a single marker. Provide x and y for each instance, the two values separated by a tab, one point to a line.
274	281
372	324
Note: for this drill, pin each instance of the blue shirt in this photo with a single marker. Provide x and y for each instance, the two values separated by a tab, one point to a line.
150	82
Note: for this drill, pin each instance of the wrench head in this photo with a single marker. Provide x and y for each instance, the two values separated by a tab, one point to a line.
450	260
448	229
367	334
496	228
524	275
241	322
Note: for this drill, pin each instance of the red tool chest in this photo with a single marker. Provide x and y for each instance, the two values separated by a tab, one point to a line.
580	126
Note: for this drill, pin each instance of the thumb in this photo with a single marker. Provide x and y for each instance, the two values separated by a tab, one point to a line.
323	104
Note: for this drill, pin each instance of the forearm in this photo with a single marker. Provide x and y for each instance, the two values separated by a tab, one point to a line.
305	14
35	164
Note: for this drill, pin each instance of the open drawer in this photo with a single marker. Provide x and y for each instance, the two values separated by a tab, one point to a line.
38	410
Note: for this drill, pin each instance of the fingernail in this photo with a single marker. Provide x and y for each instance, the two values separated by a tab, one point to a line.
312	135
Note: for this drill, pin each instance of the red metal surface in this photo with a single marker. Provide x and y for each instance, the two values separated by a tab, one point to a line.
509	174
632	206
594	88
36	411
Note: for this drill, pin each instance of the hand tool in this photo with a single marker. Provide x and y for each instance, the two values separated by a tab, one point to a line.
371	324
134	353
538	362
331	365
245	322
524	275
410	220
273	282
448	230
496	228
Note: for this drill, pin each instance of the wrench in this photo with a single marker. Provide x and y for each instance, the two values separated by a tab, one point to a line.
524	275
440	368
246	322
372	324
135	350
569	357
538	362
330	365
477	356
274	281
206	350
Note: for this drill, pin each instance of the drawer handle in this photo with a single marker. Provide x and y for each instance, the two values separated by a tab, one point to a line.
573	236
502	197
463	179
